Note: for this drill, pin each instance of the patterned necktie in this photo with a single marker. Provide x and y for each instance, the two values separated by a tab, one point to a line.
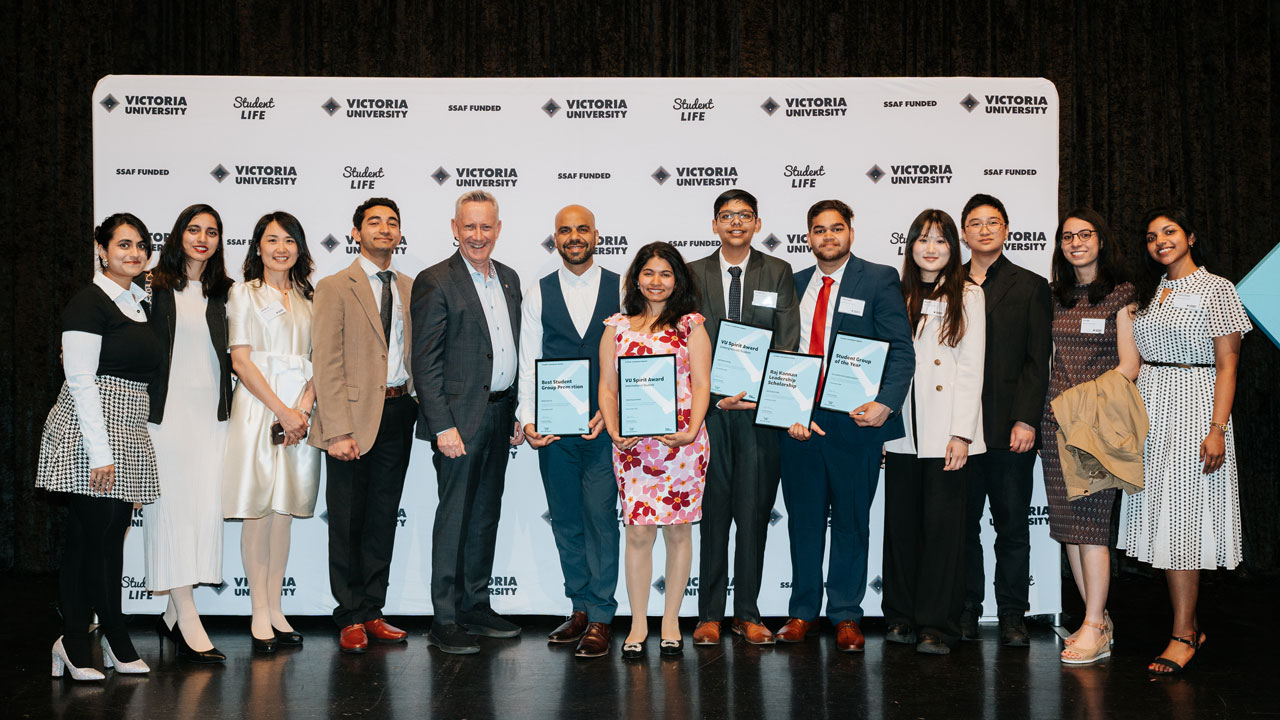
385	308
818	330
735	294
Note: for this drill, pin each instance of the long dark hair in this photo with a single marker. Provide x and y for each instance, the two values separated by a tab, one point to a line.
951	281
170	272
1147	281
684	297
300	273
1110	272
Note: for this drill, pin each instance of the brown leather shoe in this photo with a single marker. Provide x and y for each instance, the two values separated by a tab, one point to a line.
383	631
794	631
752	632
353	639
707	633
595	641
849	637
570	630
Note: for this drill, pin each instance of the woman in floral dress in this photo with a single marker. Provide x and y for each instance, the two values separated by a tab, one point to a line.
660	479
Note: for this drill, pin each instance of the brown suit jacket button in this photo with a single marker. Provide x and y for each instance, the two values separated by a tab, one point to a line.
937	361
939	388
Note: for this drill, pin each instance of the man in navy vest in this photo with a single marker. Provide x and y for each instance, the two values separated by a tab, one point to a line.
832	467
739	284
563	317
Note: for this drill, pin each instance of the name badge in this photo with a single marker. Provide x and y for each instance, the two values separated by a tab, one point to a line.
764	298
1093	326
934	307
1188	301
272	311
852	306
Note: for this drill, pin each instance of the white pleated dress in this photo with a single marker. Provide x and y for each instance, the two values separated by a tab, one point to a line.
182	530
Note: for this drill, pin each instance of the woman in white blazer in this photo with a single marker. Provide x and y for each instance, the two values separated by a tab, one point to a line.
925	473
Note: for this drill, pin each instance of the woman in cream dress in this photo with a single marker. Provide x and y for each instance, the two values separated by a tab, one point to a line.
266	483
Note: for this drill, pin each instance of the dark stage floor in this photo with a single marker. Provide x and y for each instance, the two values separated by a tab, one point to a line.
524	679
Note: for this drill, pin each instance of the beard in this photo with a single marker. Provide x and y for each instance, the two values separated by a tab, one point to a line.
579	260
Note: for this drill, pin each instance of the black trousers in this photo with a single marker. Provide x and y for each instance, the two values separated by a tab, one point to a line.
1005	478
742	485
92	563
465	534
924	544
363	498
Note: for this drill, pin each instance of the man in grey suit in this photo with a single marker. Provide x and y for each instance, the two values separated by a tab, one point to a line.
466	318
744	285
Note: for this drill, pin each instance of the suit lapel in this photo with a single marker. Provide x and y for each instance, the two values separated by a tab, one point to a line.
849	284
404	284
715	286
512	294
461	272
999	286
751	281
363	290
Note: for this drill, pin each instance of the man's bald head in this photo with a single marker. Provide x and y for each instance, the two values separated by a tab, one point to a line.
576	236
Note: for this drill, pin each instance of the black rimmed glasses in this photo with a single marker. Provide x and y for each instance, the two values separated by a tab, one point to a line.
745	216
1085	235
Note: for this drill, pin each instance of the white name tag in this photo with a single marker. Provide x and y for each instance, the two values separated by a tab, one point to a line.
852	306
1093	326
934	307
764	298
272	311
1188	301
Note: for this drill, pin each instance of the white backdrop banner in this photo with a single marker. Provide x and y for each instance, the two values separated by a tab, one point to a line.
648	156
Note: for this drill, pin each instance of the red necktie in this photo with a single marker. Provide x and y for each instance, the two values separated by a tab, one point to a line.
818	330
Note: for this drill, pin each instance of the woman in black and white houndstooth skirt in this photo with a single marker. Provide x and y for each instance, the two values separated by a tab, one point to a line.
96	448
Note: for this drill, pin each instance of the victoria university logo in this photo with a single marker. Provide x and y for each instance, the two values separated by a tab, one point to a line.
147	104
477	176
258	174
588	108
808	106
394	108
1008	104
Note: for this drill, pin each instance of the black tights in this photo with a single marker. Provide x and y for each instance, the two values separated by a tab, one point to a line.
92	563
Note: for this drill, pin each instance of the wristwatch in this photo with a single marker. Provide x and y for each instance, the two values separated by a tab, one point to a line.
1220	426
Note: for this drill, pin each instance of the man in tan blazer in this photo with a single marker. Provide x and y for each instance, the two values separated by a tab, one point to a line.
364	419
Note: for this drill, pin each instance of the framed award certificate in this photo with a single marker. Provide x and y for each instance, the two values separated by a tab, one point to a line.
738	362
563	402
853	373
647	395
787	389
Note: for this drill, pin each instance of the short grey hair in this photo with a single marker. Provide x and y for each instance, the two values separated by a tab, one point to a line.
475	196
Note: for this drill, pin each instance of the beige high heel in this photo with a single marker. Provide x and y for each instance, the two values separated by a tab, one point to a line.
1084	656
61	664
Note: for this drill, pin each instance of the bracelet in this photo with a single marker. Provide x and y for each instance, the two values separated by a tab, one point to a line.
964	440
1220	426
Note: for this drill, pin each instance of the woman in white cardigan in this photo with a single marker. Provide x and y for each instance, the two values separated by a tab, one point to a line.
925	474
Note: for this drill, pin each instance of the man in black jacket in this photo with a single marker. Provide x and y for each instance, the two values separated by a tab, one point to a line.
1015	380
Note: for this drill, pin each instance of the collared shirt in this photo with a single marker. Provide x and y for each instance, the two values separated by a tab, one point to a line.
726	278
80	362
397	374
494	303
809	301
580	292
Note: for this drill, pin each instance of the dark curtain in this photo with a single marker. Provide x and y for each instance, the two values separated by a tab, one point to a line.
1161	101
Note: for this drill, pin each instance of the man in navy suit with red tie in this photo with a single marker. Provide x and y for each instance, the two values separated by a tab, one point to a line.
832	466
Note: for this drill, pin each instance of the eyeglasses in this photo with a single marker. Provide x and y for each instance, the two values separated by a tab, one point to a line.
1085	235
745	216
991	224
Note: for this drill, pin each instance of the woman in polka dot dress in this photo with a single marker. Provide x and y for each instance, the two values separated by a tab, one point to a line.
1187	518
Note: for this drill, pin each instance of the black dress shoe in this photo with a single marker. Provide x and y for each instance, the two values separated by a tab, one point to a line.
900	633
292	637
212	655
484	621
264	646
453	639
931	644
671	648
632	650
1013	632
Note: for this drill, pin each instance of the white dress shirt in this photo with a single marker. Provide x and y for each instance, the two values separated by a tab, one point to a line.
80	352
397	374
493	300
809	301
580	292
726	278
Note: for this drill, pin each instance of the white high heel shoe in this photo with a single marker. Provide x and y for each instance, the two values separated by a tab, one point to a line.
61	664
109	659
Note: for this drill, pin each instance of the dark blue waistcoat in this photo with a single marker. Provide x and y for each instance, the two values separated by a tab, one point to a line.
559	337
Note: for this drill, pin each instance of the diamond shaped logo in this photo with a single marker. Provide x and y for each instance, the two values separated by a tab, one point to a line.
329	243
660	584
550	107
219	173
660	175
969	102
770	106
774	517
325	517
331	106
772	242
221	587
546	517
877	584
549	244
875	173
441	176
109	102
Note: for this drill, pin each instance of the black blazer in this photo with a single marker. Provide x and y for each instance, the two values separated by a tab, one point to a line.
1019	344
163	317
452	351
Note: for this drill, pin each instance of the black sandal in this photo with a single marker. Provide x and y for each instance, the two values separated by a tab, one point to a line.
1196	641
